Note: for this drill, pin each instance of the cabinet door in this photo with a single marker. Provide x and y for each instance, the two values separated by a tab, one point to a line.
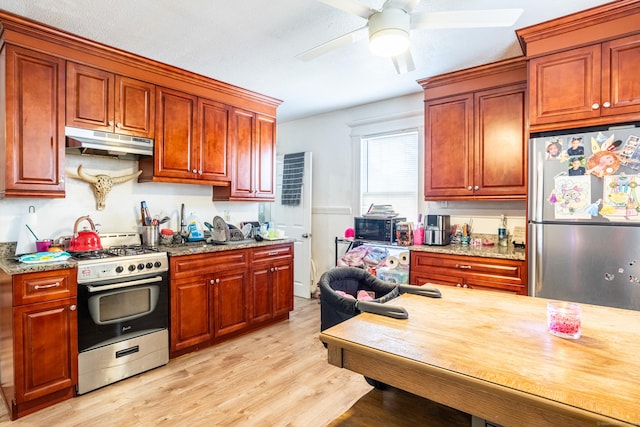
448	150
175	124
500	142
90	101
46	346
34	148
242	131
190	313
621	76
282	285
213	152
230	302
135	107
261	293
265	155
565	86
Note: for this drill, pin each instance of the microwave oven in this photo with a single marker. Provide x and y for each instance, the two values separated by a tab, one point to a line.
376	229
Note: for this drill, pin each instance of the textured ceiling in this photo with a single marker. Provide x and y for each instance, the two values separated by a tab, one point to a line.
253	43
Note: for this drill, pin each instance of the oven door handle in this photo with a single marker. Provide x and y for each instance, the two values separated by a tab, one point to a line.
124	284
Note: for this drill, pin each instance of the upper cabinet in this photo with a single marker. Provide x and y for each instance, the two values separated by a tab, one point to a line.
192	140
32	144
104	101
191	118
252	158
475	133
583	68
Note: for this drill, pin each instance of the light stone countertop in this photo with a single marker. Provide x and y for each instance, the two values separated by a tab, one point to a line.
11	266
508	252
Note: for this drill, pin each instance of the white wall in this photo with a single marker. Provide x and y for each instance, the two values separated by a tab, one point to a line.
56	217
333	137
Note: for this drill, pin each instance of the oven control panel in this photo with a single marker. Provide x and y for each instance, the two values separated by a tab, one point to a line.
126	267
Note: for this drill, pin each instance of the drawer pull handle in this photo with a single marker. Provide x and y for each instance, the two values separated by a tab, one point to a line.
274	253
463	266
51	285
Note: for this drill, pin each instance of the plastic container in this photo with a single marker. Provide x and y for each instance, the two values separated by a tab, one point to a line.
166	236
194	228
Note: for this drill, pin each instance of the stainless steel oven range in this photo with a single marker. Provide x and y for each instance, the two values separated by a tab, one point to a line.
123	311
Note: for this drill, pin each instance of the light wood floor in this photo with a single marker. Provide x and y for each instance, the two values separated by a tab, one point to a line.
278	376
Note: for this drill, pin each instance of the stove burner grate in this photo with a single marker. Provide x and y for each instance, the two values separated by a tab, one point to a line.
80	256
126	250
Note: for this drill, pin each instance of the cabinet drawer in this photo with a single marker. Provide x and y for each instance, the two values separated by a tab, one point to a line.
272	253
193	265
467	266
44	286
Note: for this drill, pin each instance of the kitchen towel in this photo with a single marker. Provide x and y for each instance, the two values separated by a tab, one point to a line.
26	242
292	175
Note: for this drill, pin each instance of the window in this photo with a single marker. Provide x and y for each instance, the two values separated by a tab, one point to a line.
389	172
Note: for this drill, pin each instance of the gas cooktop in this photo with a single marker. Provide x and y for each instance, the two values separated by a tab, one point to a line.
123	256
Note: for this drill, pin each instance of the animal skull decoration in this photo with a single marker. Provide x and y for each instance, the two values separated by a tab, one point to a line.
101	184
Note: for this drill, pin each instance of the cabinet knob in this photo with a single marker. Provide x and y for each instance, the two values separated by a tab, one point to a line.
217	280
194	171
72	307
606	105
458	285
110	122
469	188
118	125
477	187
199	172
271	269
465	286
595	106
211	282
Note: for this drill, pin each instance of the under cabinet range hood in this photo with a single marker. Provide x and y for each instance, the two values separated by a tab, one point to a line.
98	143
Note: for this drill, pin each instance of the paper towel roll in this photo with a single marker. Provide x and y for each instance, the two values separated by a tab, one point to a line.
392	262
404	258
26	243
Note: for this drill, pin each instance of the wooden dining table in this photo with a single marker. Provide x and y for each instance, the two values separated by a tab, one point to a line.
490	354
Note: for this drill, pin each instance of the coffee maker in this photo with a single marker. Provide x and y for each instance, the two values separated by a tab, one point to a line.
437	230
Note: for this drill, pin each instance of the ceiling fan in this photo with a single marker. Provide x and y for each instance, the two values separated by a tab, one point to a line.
388	28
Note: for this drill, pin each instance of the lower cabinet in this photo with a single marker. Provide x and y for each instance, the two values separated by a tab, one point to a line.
495	274
39	339
218	295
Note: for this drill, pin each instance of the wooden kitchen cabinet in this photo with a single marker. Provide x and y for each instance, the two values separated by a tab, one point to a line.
496	274
39	348
271	282
583	68
192	141
253	158
104	101
219	295
602	87
32	145
475	133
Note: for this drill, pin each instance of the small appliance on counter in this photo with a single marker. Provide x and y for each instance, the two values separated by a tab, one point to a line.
437	230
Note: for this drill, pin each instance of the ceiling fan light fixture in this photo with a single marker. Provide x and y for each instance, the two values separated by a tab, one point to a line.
389	32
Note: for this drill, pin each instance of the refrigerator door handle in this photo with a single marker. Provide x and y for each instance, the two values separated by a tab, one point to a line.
536	182
535	254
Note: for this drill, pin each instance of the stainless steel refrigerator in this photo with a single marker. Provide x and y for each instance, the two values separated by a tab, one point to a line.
584	216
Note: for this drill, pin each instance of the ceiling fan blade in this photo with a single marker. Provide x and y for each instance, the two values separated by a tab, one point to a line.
466	18
403	62
351	6
406	5
344	40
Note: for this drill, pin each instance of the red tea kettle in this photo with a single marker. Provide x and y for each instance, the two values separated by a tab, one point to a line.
83	241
